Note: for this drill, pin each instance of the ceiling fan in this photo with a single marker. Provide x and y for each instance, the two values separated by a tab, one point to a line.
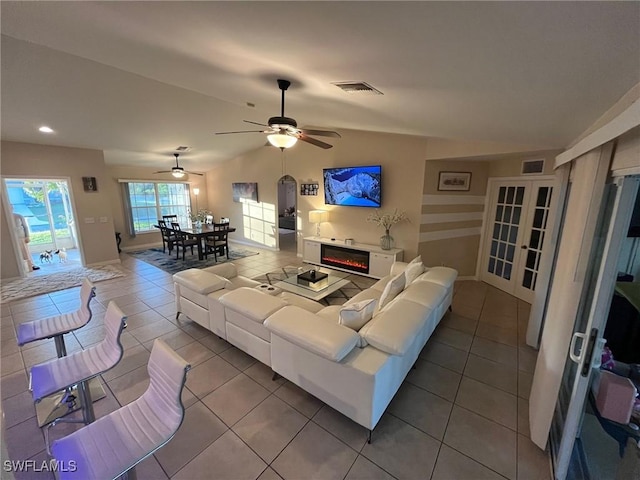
283	132
178	171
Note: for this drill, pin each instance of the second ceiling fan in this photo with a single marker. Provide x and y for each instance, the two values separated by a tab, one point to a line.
178	171
283	132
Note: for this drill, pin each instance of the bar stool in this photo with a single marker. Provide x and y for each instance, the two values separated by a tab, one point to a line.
55	327
78	368
114	444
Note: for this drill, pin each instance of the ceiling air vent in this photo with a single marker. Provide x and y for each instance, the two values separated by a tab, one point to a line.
357	87
183	149
532	167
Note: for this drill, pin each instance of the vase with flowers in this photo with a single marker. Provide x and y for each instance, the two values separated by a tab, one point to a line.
199	217
387	220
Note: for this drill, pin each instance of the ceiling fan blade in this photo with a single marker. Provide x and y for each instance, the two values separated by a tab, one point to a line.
163	171
313	141
255	123
240	131
193	173
321	133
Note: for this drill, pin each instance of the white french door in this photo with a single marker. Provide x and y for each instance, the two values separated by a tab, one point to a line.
518	215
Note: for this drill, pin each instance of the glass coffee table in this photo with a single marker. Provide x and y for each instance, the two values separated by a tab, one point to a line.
335	281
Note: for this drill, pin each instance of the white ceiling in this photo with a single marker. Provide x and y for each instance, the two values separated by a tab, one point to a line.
138	79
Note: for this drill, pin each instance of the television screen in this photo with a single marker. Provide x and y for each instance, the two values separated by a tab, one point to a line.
353	186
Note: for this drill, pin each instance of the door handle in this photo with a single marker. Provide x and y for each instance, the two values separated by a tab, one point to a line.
523	247
577	358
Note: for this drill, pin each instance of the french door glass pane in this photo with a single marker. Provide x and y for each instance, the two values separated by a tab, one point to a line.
536	237
505	231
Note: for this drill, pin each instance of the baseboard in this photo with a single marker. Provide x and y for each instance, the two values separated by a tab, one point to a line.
144	246
249	243
101	264
471	277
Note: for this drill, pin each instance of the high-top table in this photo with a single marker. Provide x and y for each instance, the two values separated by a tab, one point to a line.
200	233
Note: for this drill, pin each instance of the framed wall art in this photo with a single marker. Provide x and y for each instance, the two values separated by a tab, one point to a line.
245	190
309	189
89	184
454	181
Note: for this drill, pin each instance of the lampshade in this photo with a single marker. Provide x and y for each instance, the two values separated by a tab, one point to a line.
318	216
281	141
196	191
177	173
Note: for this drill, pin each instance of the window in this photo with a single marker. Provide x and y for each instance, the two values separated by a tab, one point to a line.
149	201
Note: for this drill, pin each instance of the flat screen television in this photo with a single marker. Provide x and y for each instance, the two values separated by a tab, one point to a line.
353	186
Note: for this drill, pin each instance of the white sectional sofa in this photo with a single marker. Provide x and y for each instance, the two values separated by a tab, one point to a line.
359	372
356	369
202	294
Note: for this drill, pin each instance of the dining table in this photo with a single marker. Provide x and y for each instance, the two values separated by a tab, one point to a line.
200	233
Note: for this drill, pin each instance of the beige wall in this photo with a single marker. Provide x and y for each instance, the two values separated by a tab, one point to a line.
511	165
144	240
24	160
451	220
402	160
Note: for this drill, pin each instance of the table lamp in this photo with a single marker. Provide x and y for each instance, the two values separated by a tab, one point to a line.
318	217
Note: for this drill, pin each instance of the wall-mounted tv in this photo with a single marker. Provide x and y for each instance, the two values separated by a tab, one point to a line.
353	186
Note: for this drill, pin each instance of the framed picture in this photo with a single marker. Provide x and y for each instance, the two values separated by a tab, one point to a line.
89	184
454	181
309	189
246	190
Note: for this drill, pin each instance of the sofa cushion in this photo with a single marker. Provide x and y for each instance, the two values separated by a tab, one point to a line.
307	304
227	270
391	291
367	294
328	340
395	328
330	313
397	267
251	303
444	276
356	315
200	281
428	294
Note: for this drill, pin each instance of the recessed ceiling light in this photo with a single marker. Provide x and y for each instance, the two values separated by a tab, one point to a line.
45	129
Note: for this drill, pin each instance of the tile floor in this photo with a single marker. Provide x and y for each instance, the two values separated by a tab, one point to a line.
462	413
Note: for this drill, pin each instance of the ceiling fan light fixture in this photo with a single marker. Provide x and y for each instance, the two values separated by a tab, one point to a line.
177	173
281	140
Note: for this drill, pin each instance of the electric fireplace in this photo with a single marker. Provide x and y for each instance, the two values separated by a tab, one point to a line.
346	258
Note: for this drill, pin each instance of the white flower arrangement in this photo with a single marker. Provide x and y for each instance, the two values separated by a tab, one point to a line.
387	220
200	215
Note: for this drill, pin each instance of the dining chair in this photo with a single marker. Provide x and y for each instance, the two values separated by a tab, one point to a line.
168	237
218	242
183	240
170	218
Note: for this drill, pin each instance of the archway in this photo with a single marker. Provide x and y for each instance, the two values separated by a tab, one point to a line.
287	213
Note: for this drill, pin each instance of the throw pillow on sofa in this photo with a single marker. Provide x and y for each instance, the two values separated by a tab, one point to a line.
356	315
413	271
391	291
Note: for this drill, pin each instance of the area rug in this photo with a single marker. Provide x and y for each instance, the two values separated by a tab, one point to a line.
170	264
357	283
39	285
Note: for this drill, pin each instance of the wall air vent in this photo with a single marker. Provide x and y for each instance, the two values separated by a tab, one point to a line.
532	167
358	87
183	149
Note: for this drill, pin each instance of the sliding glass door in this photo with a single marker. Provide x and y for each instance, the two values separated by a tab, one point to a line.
46	206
